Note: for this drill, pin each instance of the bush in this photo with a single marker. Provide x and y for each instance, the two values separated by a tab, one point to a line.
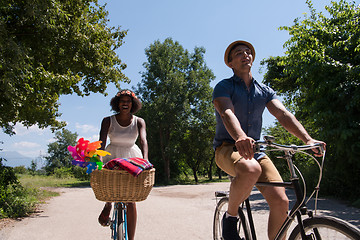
80	173
7	176
20	170
63	172
16	202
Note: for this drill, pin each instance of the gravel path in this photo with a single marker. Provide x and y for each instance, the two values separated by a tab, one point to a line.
172	212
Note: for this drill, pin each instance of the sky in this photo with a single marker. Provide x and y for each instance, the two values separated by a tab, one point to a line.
212	24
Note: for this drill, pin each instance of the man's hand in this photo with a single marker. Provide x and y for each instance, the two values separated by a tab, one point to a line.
245	147
316	150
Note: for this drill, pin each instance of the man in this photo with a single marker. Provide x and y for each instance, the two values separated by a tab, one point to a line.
239	102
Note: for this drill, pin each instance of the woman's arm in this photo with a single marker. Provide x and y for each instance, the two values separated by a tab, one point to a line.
105	124
142	136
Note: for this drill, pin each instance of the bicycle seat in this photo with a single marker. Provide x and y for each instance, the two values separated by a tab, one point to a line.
221	193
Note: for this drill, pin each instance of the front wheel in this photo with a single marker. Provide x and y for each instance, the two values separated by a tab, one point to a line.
326	228
220	210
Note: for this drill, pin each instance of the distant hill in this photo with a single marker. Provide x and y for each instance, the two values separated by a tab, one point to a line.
15	159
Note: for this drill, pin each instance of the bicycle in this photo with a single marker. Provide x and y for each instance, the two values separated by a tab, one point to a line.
120	187
118	223
312	227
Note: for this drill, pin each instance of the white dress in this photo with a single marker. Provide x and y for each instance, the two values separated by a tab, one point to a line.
122	140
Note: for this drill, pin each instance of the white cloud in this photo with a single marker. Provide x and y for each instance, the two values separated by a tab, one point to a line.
24	144
21	130
93	138
86	128
33	153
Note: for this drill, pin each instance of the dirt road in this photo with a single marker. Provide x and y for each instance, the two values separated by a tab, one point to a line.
172	212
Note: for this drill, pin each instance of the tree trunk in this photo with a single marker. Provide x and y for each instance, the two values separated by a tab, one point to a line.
195	175
210	167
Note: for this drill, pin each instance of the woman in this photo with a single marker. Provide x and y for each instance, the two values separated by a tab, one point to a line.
123	129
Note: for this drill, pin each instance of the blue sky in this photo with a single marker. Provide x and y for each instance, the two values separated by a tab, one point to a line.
212	24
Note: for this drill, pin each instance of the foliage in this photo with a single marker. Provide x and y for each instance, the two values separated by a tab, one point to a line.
307	166
16	202
20	169
80	173
32	168
319	77
40	181
176	94
11	194
63	172
58	155
7	176
50	48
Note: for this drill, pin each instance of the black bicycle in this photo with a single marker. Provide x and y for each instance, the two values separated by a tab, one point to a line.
118	222
310	227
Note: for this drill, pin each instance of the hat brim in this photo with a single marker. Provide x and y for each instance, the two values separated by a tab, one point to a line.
231	46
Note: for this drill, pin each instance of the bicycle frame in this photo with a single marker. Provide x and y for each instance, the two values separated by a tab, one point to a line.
119	218
299	207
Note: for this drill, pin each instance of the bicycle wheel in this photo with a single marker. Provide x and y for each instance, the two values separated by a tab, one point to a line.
220	210
326	228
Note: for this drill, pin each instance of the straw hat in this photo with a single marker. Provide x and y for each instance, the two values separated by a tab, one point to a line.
232	45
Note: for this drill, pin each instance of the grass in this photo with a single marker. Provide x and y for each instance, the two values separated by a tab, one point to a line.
40	181
39	186
22	200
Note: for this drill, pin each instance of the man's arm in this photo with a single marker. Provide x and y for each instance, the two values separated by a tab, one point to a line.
289	122
243	143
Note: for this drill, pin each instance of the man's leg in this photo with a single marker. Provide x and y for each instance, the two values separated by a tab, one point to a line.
275	196
247	173
279	205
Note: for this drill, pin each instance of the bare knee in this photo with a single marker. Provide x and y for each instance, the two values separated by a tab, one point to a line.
249	168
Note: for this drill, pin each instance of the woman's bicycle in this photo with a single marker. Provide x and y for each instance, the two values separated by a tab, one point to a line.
120	187
118	223
311	227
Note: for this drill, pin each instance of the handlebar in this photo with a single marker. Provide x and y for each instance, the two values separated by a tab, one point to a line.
269	142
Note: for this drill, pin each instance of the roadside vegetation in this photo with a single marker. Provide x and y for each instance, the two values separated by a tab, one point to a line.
22	190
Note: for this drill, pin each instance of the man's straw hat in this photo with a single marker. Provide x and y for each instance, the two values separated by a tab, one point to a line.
232	45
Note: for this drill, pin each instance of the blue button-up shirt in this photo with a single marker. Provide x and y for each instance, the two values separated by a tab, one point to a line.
249	105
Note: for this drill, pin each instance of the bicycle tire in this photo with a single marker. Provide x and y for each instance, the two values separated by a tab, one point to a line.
326	227
220	210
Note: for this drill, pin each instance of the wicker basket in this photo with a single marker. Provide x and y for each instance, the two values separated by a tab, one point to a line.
121	186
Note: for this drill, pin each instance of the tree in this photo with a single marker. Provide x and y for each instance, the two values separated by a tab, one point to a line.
58	155
319	77
176	94
50	48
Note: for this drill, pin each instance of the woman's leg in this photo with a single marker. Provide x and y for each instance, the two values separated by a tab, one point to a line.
131	219
105	214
